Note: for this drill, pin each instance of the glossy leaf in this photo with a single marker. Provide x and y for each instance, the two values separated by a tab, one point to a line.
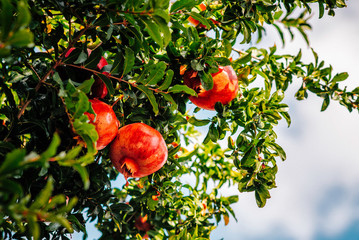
151	97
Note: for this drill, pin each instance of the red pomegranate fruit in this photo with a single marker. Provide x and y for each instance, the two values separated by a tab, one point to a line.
138	150
225	88
106	122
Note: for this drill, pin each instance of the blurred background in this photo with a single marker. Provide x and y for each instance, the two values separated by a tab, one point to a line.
317	196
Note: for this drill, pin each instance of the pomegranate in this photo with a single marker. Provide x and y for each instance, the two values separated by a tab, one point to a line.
225	88
106	122
138	150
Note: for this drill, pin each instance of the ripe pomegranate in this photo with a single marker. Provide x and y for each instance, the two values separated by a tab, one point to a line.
138	150
225	88
106	122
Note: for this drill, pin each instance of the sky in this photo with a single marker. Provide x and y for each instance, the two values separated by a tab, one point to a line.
317	194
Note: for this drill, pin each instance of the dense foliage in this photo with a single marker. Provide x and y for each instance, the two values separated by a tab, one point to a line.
52	178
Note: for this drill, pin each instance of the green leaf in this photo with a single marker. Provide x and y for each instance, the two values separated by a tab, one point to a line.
10	187
52	149
169	98
82	105
107	82
182	88
86	85
227	47
281	34
156	73
168	80
231	144
278	14
223	61
23	14
151	204
153	30
87	132
261	194
118	63
6	18
74	220
33	226
129	61
279	150
43	197
84	175
200	18
150	97
121	207
82	57
356	90
206	80
12	162
340	77
198	122
249	157
63	221
286	117
70	156
321	9
165	31
94	58
326	102
213	133
21	38
183	4
244	58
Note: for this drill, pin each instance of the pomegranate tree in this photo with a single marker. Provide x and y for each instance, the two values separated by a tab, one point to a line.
106	122
138	150
225	87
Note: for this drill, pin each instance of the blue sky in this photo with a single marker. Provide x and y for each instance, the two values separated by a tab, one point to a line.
318	195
